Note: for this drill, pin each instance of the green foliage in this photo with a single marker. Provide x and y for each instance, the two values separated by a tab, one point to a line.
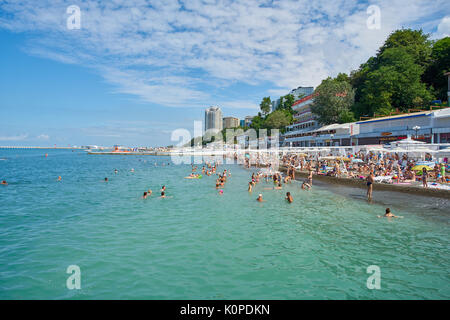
395	77
266	105
439	65
334	100
278	119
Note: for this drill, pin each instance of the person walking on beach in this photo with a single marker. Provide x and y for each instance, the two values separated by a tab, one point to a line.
370	180
310	177
425	177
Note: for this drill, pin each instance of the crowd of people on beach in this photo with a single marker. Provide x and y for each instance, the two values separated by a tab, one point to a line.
371	167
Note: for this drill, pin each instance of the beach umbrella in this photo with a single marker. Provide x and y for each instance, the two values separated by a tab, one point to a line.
420	167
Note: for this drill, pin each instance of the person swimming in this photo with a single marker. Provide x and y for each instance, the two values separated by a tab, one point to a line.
163	194
306	185
106	179
163	188
144	196
4	183
221	192
289	197
279	186
59	178
260	199
149	192
389	214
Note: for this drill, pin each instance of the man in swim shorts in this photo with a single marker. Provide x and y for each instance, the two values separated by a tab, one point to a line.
370	180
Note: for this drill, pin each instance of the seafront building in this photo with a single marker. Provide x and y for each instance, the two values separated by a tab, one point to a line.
427	126
230	123
298	93
213	119
305	123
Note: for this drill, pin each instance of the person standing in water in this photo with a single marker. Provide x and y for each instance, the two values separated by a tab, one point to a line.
260	199
370	180
310	177
289	197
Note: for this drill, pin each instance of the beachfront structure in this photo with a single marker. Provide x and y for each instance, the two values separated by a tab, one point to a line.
305	123
213	119
426	126
242	123
298	93
230	122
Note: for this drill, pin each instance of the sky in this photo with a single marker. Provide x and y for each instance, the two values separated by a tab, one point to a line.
135	71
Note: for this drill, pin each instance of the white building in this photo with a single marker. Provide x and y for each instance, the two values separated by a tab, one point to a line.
213	119
304	122
298	93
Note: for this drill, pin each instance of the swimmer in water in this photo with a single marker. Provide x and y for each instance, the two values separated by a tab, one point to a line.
4	183
260	199
278	187
221	192
116	171
306	185
59	178
144	196
106	179
163	194
163	188
149	192
289	197
389	214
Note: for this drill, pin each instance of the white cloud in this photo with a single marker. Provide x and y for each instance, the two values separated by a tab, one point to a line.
14	138
173	53
443	29
43	137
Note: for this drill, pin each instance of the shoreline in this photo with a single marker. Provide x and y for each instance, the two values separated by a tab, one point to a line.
438	193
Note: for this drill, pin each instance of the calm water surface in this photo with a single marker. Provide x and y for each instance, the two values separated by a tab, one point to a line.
199	245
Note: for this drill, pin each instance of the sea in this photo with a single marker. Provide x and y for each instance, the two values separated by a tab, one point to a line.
198	244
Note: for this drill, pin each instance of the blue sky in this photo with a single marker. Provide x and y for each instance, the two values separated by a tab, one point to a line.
137	70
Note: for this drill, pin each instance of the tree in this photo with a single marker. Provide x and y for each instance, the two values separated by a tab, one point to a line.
395	84
333	102
266	105
279	119
414	42
440	64
286	102
257	123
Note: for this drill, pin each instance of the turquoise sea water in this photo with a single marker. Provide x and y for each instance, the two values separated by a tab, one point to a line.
199	245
